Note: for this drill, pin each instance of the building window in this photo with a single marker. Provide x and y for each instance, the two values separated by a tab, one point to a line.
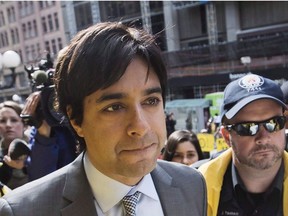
44	25
38	49
45	4
9	15
28	53
83	15
1	40
60	45
21	10
29	29
50	23
13	37
47	46
26	8
30	7
203	19
2	19
23	79
54	49
113	10
17	35
6	38
35	30
20	53
13	17
56	20
41	5
33	54
24	30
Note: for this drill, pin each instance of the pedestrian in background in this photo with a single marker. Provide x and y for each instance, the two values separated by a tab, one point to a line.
52	146
250	178
110	84
183	147
170	123
13	171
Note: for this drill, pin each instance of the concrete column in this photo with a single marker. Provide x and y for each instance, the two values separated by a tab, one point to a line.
232	20
146	16
69	19
171	26
211	23
96	16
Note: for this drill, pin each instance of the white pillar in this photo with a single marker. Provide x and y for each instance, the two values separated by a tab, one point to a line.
171	26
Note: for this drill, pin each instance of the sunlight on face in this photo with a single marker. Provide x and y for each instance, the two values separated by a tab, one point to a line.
264	149
11	125
124	125
185	153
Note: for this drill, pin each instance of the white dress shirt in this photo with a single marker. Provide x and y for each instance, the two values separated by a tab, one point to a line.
108	193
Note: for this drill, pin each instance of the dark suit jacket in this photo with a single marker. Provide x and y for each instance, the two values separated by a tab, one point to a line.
66	192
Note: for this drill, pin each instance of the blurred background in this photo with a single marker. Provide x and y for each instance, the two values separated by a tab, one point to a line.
205	44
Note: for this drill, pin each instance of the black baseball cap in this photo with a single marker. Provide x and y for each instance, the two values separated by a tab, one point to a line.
247	89
284	88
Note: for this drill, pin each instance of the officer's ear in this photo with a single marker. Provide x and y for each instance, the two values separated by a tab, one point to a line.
226	135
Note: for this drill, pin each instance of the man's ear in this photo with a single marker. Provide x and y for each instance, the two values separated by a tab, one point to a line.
73	123
226	135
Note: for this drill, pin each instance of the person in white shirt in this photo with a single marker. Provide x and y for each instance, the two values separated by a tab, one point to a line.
110	83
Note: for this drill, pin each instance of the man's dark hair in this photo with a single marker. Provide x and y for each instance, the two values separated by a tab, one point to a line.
96	58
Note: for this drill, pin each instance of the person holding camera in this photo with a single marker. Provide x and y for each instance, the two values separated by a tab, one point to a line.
52	147
110	83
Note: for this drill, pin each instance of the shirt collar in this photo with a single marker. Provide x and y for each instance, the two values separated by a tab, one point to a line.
108	192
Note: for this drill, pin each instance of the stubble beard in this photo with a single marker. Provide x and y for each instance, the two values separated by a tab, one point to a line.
257	161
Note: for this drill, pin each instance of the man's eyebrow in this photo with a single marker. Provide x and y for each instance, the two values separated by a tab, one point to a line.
153	90
113	96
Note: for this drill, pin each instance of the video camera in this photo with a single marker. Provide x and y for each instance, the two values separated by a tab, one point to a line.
41	79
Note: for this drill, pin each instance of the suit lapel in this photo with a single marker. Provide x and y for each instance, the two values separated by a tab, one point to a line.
78	197
77	191
170	196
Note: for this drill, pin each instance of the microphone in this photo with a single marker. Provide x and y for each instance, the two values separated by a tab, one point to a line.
17	148
40	77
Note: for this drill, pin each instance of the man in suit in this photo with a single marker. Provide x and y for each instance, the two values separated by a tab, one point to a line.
110	83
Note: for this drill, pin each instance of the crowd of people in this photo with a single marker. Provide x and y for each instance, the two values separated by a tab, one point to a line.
26	152
115	114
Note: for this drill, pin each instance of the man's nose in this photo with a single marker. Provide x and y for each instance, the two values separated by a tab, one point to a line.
139	124
262	136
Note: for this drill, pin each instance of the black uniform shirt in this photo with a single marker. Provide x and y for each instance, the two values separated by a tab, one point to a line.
235	200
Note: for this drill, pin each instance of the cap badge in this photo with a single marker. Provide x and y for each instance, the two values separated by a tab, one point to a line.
251	82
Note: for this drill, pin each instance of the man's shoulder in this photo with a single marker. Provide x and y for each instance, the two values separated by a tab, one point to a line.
36	196
180	183
177	169
45	185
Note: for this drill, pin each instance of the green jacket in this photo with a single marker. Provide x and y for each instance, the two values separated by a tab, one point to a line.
213	172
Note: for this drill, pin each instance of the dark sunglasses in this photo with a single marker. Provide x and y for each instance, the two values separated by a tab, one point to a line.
251	128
